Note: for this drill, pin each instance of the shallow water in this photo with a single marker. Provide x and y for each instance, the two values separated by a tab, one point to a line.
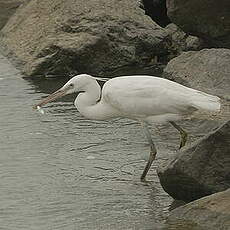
62	171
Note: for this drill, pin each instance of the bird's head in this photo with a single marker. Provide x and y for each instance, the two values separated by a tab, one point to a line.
76	84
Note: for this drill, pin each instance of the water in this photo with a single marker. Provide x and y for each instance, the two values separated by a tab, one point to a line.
62	171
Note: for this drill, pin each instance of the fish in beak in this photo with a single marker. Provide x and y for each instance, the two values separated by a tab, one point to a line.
59	93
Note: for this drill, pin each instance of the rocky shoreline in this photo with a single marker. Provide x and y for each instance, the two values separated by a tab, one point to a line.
109	38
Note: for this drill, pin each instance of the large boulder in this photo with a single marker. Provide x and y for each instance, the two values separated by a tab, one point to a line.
206	70
200	169
211	212
8	8
207	19
94	36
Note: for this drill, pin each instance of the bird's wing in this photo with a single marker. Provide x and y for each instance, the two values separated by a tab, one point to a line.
147	97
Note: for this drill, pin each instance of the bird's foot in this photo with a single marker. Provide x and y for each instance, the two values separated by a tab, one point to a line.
145	182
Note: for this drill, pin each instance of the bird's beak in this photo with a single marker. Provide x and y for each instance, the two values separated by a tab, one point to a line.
59	93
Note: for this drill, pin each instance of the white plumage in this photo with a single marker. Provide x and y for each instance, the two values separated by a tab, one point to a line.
142	98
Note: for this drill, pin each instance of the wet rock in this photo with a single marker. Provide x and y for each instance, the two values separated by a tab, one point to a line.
211	212
211	21
96	36
8	8
200	169
206	70
157	10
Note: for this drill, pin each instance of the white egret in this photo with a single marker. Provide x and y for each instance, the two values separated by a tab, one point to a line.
146	99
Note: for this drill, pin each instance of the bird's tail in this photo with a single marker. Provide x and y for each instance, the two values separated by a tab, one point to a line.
207	102
211	107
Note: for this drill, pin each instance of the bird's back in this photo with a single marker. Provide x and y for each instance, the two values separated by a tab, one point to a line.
141	97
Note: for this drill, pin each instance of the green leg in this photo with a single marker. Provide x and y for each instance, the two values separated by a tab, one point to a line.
183	134
153	151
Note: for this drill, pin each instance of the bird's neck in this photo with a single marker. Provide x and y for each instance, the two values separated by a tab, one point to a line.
90	106
88	103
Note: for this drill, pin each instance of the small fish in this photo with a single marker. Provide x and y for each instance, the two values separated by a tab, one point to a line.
40	110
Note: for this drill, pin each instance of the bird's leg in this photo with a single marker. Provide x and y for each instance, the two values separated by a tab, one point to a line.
183	134
153	151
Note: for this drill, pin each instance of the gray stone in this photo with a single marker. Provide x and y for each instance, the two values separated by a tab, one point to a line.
207	19
211	212
200	169
8	8
182	41
207	70
95	36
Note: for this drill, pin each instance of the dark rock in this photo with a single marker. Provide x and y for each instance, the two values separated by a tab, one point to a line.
95	36
211	212
200	169
157	10
207	70
207	19
182	41
8	8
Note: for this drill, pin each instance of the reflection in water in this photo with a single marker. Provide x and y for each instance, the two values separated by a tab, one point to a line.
62	171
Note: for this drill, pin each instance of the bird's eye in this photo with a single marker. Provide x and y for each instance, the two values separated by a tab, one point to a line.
71	85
